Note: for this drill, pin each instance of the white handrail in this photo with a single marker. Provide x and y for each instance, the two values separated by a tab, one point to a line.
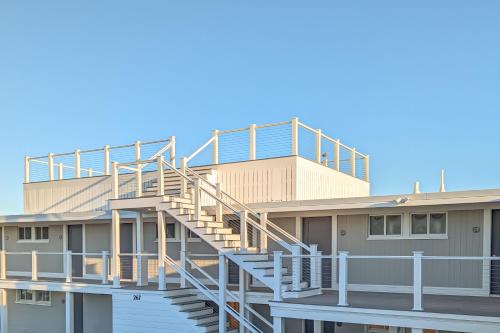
199	150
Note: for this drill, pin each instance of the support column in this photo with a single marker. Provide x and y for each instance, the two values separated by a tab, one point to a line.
184	244
278	325
243	287
222	294
115	247
142	262
318	326
3	311
162	250
69	305
263	236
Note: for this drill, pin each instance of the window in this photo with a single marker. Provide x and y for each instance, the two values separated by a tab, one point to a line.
33	234
41	233
170	230
385	225
429	224
37	297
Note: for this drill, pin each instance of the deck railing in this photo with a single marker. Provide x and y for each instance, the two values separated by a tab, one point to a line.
92	162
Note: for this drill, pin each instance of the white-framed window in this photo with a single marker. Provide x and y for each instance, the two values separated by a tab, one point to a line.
381	226
33	234
429	224
36	297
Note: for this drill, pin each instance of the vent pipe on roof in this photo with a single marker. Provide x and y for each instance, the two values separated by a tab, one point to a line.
441	187
416	187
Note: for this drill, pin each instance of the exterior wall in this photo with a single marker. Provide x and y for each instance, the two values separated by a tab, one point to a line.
46	262
461	241
97	239
97	314
23	318
315	181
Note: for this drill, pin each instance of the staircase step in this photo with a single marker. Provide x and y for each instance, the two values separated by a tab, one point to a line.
224	237
225	231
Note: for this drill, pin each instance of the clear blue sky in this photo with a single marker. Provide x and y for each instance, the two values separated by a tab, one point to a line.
414	84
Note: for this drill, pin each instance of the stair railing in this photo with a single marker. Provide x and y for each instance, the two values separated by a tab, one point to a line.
229	293
211	295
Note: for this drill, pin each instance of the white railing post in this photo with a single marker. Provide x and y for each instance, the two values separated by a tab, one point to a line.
34	265
319	269
197	199
68	266
278	277
244	230
60	171
161	176
295	136
367	168
139	180
137	146
353	162
107	170
162	250
318	146
183	180
115	247
417	280
336	154
218	204
183	254
115	182
26	169
51	166
172	151
343	278
90	172
313	266
215	147
296	267
222	293
77	163
3	265
104	267
252	145
263	235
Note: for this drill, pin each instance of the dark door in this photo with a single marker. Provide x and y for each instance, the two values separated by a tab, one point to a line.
78	313
318	230
328	326
75	244
126	247
495	252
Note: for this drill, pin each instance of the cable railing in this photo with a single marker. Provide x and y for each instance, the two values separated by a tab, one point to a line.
220	298
92	162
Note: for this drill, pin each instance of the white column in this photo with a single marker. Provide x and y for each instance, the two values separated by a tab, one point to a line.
417	280
295	136
222	293
115	247
318	326
296	267
183	252
77	164
313	266
215	147
34	265
278	325
343	278
263	236
142	262
318	146
51	166
353	162
243	297
115	182
367	168
60	171
26	169
183	180
3	311
253	142
336	154
218	205
277	276
107	169
197	199
161	176
68	306
162	250
487	249
172	151
244	230
3	265
68	265
104	267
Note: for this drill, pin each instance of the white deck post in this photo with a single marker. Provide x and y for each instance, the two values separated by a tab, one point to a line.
3	311
115	187
104	267
139	169
90	172
295	136
26	169
243	297
68	309
244	230
296	267
278	326
51	166
172	151
336	154
115	247
34	265
142	271
77	164
215	147
183	253
222	293
353	162
253	143
197	199
318	146
218	205
60	171
107	170
3	265
68	265
417	280
318	326
162	250
314	266
263	235
343	278
277	276
161	176
367	168
183	180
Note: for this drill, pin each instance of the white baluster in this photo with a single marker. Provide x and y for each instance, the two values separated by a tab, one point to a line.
343	278
278	278
417	280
